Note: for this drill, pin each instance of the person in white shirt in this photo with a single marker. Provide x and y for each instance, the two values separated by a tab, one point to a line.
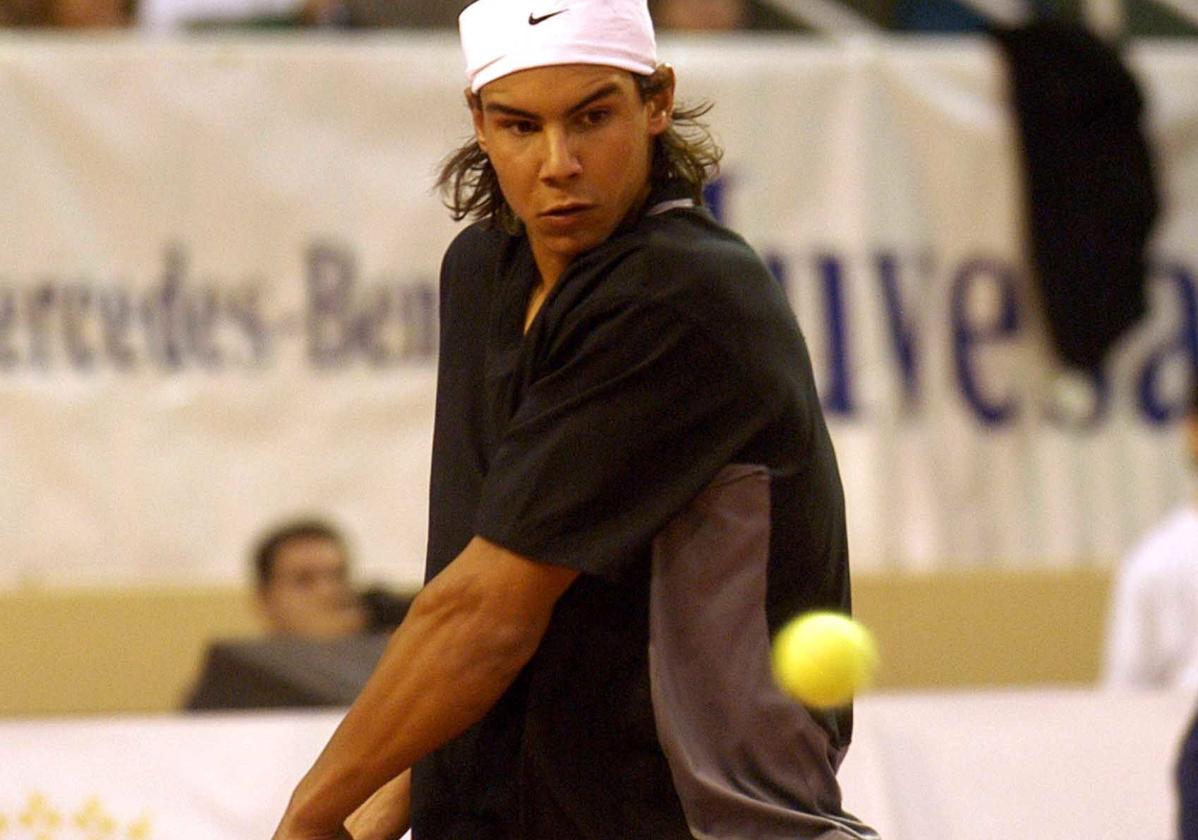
1152	632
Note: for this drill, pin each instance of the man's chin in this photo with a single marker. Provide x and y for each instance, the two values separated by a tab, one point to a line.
338	624
569	244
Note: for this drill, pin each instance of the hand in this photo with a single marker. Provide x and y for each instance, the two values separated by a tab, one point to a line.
386	814
286	831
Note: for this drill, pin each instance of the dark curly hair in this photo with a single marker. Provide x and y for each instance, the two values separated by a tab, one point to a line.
686	152
269	544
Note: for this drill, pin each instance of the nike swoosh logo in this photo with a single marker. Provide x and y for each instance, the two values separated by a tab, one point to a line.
533	20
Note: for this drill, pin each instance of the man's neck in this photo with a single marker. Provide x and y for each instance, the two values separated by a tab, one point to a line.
552	266
535	301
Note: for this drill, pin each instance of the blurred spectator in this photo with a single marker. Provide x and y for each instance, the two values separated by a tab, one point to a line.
68	14
694	15
1152	633
407	14
175	15
718	16
323	638
942	17
303	585
302	572
1152	638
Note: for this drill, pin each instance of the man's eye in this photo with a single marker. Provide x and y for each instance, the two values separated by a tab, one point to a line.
596	116
522	127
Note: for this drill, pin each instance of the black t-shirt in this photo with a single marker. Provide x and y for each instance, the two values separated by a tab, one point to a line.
658	430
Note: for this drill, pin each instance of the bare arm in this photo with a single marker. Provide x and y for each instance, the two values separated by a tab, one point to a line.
464	640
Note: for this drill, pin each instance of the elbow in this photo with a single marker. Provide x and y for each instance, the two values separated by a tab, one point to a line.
481	621
508	646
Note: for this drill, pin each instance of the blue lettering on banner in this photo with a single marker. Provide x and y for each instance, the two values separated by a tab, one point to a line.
902	332
40	308
714	193
116	324
8	326
382	323
181	323
346	319
838	391
976	333
1155	404
1157	396
970	337
331	276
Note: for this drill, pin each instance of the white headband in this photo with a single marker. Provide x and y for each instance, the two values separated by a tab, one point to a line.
502	36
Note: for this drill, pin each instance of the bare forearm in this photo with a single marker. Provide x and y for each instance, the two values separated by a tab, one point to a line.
394	722
452	658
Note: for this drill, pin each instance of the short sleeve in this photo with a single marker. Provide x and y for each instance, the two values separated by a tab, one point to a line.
1134	652
631	413
458	456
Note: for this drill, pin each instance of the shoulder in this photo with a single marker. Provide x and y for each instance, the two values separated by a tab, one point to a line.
476	243
686	275
470	265
685	266
691	248
707	274
1167	550
1179	528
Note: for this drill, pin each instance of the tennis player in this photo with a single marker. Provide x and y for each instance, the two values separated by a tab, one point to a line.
632	487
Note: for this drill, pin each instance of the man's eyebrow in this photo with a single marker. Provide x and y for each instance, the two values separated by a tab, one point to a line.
508	110
606	90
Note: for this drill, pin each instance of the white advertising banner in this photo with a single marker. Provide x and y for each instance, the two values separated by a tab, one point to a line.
973	766
218	298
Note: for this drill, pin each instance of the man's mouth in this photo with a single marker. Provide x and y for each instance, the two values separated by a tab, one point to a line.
565	211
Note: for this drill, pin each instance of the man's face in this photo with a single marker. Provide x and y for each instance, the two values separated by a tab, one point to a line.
571	146
309	593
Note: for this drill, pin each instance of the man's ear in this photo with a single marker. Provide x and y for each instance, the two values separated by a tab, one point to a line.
661	101
475	103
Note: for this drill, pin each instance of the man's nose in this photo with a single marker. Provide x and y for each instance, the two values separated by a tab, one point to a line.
333	587
560	157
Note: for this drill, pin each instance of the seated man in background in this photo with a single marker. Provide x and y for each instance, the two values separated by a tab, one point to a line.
303	586
323	637
302	574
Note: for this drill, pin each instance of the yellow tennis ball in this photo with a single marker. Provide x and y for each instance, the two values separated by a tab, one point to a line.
822	659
